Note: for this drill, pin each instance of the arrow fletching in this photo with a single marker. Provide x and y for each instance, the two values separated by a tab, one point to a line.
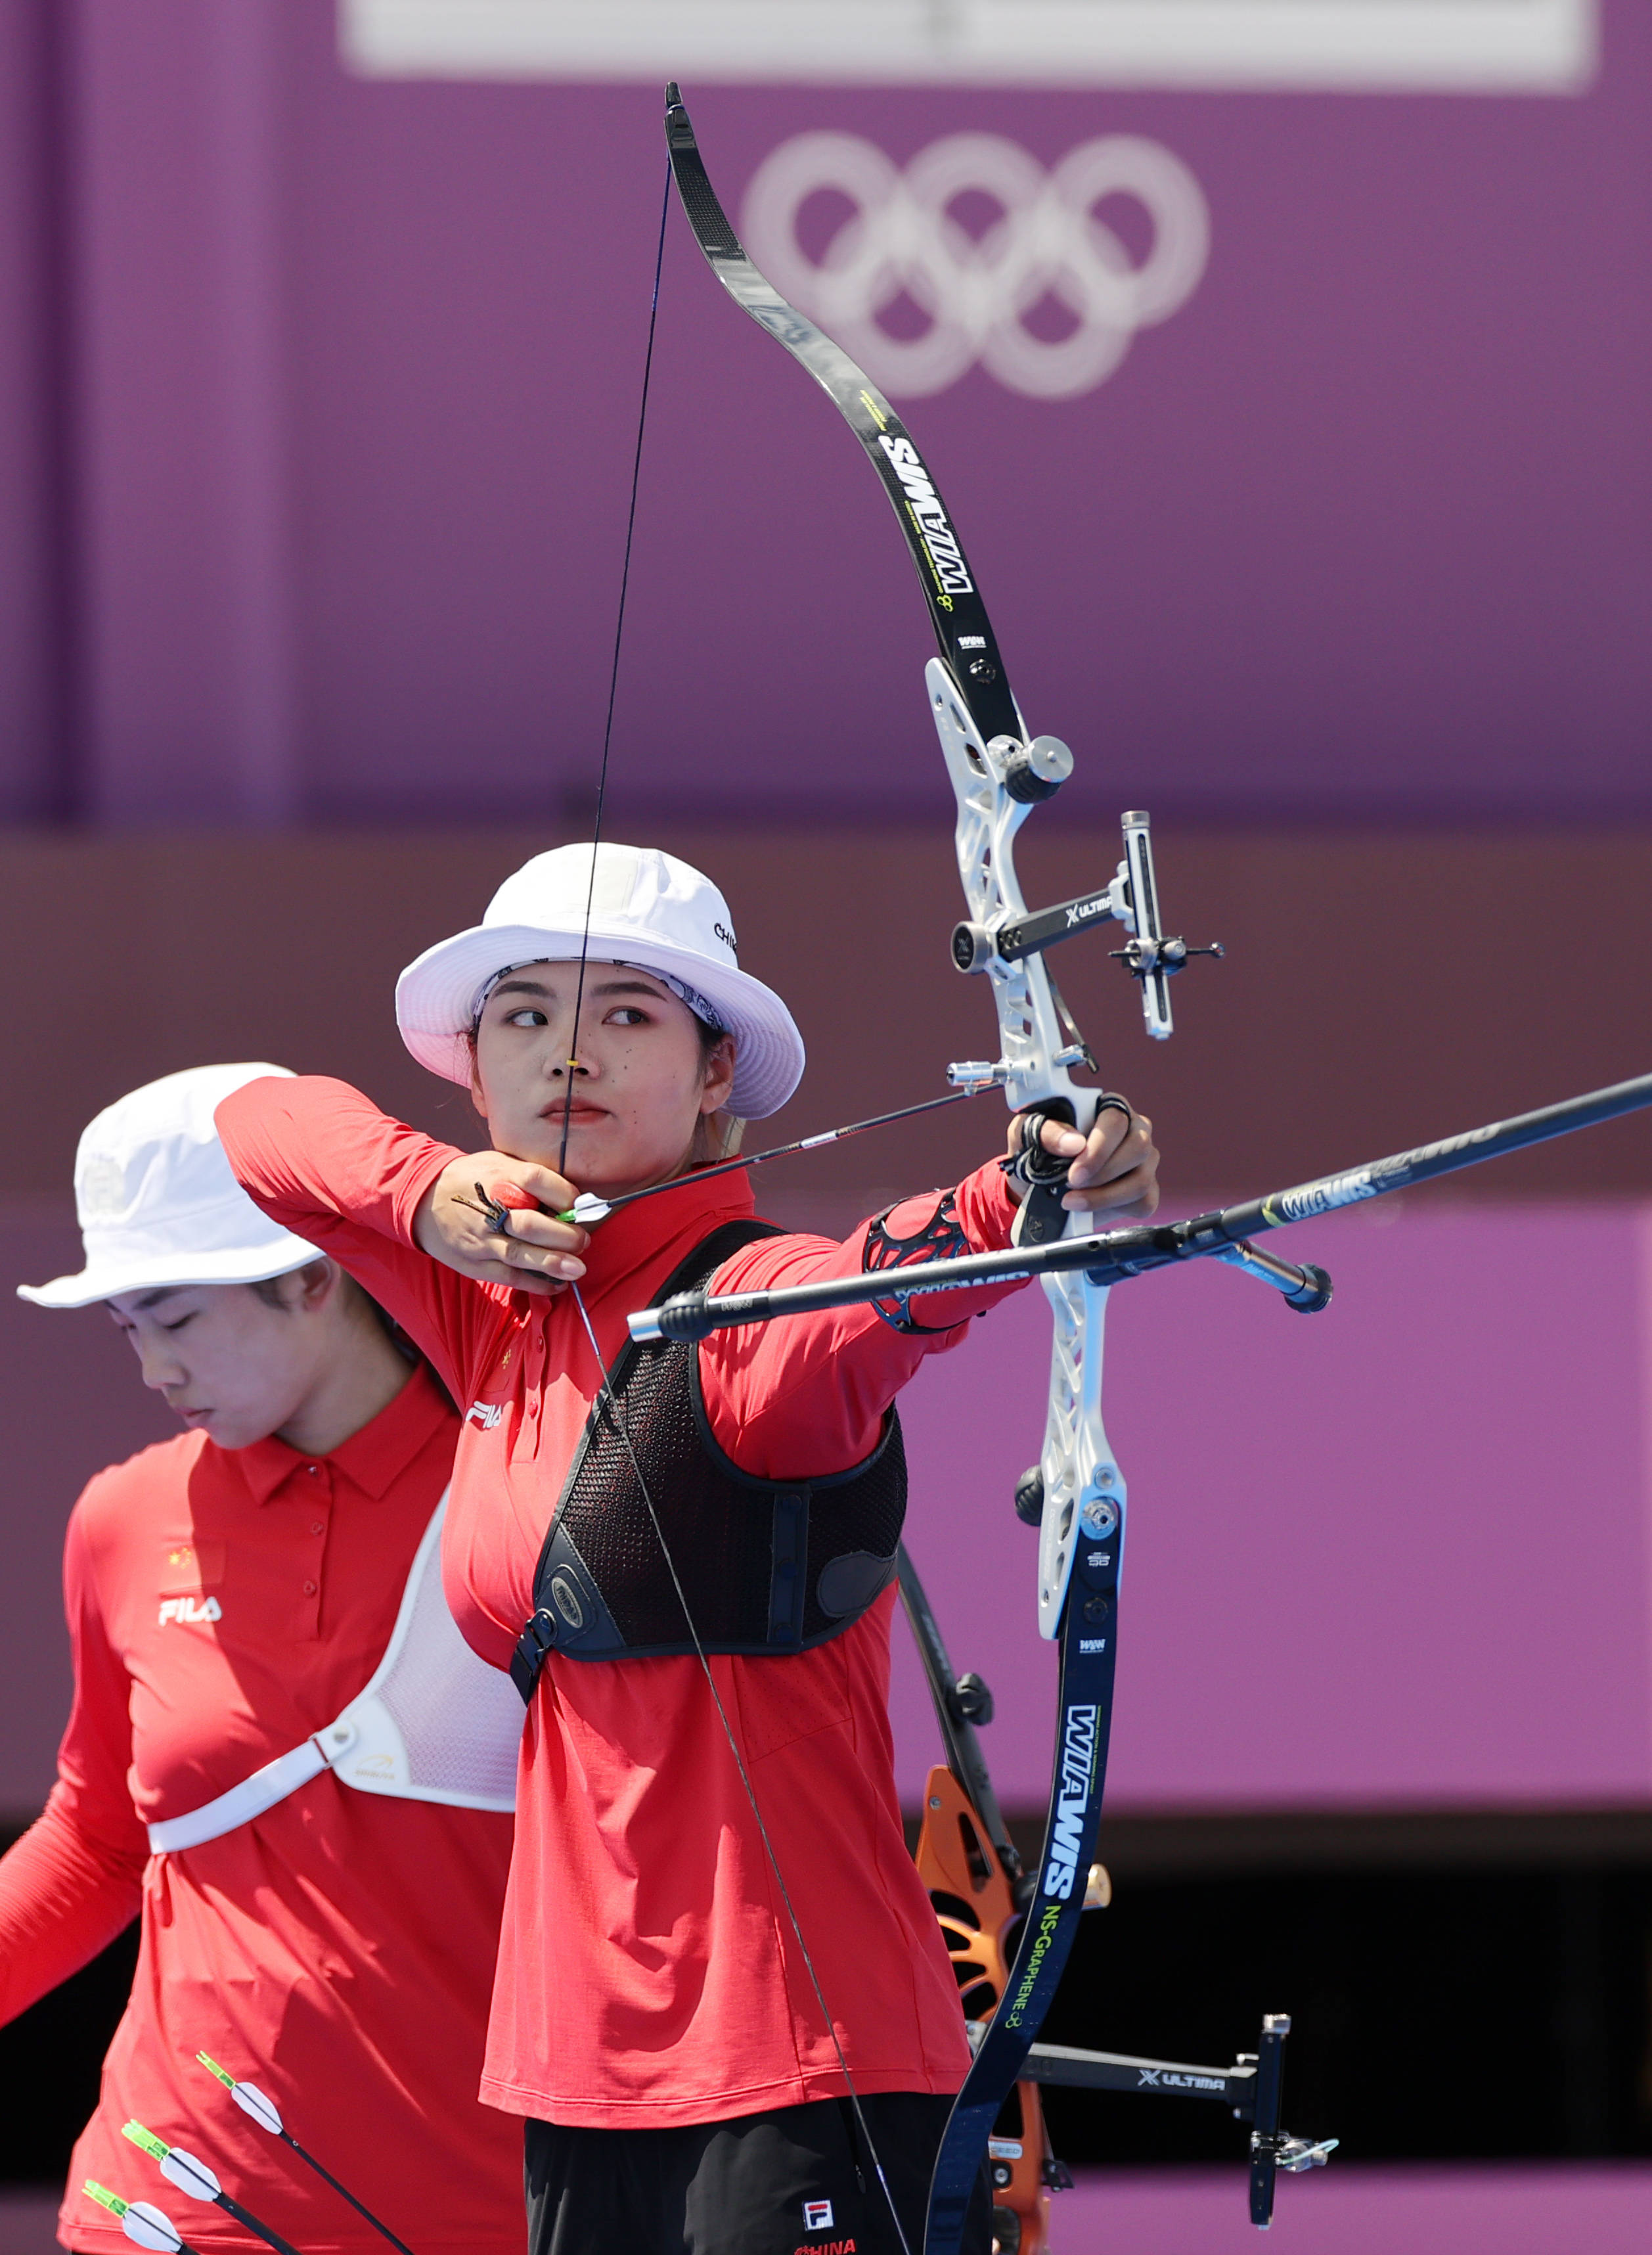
145	2223
247	2095
252	2101
190	2176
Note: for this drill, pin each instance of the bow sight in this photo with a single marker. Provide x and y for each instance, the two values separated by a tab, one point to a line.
1031	773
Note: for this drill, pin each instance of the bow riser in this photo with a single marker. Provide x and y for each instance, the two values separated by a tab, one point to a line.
1084	1491
1035	1058
1083	1486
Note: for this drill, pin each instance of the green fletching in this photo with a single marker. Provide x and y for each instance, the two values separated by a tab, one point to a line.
104	2197
146	2139
212	2068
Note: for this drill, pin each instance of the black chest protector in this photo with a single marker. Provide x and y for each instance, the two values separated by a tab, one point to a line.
766	1566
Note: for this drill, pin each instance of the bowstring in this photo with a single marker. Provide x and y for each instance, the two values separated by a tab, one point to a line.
604	1386
615	1409
613	677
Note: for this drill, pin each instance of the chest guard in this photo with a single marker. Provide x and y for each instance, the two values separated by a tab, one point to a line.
767	1567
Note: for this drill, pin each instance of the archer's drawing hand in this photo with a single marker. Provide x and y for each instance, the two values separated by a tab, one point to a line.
454	1226
1113	1170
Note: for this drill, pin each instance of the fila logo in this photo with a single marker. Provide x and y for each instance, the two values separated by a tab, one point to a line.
817	2216
485	1414
189	1609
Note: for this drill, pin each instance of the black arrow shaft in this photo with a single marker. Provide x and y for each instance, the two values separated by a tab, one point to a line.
345	2193
244	2216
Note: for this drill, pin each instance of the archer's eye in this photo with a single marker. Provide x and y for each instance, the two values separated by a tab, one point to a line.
179	1325
626	1014
527	1018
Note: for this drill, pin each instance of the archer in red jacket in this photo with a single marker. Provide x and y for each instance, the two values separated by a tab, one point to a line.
230	1592
722	2002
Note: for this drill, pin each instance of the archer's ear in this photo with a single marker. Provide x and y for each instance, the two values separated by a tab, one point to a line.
316	1283
718	1077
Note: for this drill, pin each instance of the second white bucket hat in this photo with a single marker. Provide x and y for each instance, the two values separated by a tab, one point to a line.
156	1202
646	908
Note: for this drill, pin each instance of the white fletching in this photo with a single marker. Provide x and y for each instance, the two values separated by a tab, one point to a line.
252	2101
149	2228
190	2176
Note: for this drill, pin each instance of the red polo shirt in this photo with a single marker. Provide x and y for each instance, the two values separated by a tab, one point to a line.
339	1949
648	1973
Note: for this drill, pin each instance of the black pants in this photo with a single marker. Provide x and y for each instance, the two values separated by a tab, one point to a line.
798	2181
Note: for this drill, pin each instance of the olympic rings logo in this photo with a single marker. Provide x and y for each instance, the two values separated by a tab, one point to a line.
902	239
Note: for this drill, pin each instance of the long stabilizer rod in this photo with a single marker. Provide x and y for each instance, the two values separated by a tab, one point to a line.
1111	1256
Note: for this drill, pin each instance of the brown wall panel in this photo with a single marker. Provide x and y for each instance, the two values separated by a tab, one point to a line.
1378	990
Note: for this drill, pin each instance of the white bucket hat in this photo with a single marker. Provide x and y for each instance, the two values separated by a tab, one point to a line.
156	1202
646	908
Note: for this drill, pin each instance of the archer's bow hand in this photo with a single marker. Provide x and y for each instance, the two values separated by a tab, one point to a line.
1113	1170
496	1218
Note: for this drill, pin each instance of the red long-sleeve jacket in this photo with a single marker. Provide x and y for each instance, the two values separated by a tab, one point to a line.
337	1950
648	1972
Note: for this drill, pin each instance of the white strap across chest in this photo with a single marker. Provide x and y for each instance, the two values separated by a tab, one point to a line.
433	1723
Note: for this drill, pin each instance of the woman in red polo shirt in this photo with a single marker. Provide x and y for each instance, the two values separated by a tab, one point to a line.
230	1594
731	2032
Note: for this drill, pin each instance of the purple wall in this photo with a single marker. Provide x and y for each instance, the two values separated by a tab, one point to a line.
32	616
1394	1556
1367	525
1351	2210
